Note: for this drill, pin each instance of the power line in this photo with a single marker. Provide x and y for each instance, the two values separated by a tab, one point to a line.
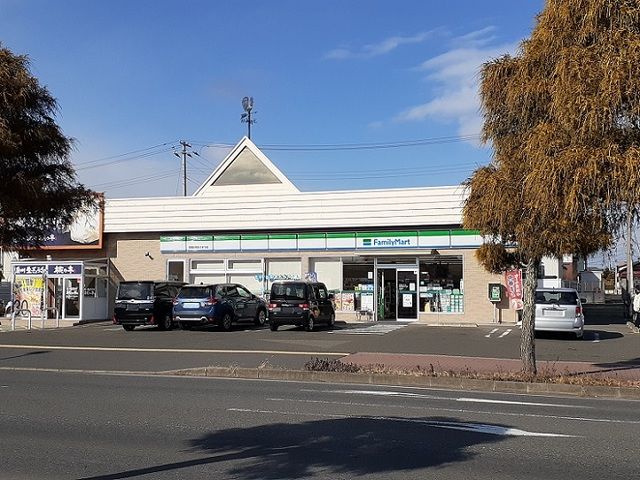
127	153
350	146
125	159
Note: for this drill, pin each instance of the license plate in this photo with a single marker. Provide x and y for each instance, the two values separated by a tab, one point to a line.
276	309
554	313
191	305
132	307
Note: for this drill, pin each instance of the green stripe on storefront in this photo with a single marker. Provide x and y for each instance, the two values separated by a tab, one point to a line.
172	239
386	234
222	238
465	232
282	236
341	235
433	233
255	237
312	236
202	238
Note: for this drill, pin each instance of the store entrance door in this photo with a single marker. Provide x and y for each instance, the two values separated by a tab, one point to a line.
407	294
387	294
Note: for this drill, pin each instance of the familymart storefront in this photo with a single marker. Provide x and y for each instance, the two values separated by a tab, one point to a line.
406	275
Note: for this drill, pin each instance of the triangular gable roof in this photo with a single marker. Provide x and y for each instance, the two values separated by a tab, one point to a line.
245	165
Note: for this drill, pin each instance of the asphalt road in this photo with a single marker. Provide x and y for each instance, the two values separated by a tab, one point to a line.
62	425
108	347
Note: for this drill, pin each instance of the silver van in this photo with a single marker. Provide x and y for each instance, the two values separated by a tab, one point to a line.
559	310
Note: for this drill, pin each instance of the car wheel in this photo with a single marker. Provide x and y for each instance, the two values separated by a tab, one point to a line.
310	324
261	317
185	326
128	328
227	321
166	323
332	320
273	326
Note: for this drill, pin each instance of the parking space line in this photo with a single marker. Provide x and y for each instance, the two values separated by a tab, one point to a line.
505	333
491	333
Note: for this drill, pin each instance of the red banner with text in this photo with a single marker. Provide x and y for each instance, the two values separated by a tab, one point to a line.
513	283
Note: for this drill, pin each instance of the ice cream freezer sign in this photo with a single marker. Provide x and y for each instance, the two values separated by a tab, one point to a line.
387	240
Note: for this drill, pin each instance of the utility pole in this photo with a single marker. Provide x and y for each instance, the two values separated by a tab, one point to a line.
184	154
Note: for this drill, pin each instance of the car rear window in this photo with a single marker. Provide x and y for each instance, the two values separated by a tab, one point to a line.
194	292
288	291
135	291
558	298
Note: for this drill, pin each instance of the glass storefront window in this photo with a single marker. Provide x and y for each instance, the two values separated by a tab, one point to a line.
441	284
357	278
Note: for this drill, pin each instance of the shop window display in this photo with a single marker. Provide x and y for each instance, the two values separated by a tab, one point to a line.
357	287
441	284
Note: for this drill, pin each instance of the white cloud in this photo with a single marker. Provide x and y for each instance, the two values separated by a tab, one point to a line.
375	49
454	77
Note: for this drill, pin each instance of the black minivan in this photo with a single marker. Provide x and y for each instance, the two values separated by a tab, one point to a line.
145	303
304	304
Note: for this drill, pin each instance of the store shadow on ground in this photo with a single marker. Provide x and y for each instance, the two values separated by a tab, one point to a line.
604	314
344	447
631	364
588	336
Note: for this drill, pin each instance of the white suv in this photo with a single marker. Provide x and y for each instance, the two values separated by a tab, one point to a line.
559	310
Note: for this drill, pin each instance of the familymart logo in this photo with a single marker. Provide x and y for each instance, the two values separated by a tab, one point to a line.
386	242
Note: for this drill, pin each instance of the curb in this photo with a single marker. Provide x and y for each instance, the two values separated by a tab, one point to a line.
470	384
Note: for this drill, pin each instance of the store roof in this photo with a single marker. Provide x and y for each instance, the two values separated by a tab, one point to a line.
247	192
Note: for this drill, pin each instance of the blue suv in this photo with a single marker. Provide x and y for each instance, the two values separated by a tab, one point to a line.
221	304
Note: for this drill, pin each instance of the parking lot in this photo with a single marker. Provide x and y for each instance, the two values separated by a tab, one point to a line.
104	346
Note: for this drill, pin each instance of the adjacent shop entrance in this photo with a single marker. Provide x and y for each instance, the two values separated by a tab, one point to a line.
396	289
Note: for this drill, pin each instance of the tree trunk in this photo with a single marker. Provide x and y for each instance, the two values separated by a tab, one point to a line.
527	338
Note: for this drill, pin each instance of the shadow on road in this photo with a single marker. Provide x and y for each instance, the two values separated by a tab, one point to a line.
604	314
345	447
38	352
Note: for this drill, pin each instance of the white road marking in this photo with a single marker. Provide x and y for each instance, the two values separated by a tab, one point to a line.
505	333
463	426
168	350
491	333
464	410
368	330
113	329
387	393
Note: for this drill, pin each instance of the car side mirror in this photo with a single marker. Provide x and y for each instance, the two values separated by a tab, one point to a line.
583	300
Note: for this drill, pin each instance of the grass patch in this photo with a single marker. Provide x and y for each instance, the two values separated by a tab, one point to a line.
545	374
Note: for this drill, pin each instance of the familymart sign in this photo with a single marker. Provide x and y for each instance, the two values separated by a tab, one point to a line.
387	240
454	238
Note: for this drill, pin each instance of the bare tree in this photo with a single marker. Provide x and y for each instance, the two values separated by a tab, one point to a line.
38	187
563	118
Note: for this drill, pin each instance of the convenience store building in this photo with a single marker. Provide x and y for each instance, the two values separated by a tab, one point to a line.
386	254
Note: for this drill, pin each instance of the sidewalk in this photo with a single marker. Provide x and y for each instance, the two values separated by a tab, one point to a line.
22	323
625	370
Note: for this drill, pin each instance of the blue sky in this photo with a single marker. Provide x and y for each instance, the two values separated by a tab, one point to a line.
130	75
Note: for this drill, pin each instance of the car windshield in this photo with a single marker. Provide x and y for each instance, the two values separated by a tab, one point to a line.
135	291
288	291
193	292
558	298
